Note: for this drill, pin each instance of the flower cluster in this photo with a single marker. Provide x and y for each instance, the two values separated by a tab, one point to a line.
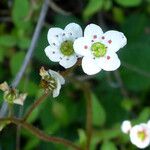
12	95
139	134
97	49
51	81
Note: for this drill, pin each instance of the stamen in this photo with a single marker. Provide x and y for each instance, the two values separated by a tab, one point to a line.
110	41
85	47
103	37
95	36
108	57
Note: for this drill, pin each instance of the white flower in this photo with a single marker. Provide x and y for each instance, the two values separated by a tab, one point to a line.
99	49
140	135
126	126
51	81
61	44
12	95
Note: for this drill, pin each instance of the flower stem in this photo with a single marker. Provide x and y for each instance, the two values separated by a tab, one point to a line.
35	105
87	93
10	109
40	134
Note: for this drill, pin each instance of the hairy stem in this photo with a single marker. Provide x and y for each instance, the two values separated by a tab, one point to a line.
35	105
40	134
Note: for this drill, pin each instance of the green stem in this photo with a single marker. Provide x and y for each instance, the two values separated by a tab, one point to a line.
40	134
10	109
89	129
35	105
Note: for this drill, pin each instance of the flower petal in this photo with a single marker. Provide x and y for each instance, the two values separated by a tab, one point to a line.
136	140
53	53
68	61
57	90
82	46
74	30
57	75
126	126
93	31
55	36
114	40
21	98
89	66
110	62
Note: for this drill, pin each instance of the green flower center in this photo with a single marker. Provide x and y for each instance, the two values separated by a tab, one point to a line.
10	96
141	135
98	49
66	48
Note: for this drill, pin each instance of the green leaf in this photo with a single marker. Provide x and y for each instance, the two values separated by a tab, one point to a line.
16	62
144	115
99	116
118	14
60	112
32	143
92	7
82	138
129	3
135	73
20	12
30	87
2	53
108	145
7	40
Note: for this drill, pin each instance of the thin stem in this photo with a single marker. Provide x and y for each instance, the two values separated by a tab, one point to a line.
33	43
40	134
121	84
10	113
35	105
28	54
89	128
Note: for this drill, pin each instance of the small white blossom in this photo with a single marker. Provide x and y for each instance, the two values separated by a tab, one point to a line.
140	135
51	81
12	95
99	49
126	126
61	44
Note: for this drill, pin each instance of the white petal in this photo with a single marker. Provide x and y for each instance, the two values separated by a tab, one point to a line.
57	90
89	66
114	40
93	31
135	138
126	126
74	30
55	36
82	46
68	61
53	53
110	62
148	123
57	75
20	100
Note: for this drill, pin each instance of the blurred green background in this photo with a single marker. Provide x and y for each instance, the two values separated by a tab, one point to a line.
116	96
